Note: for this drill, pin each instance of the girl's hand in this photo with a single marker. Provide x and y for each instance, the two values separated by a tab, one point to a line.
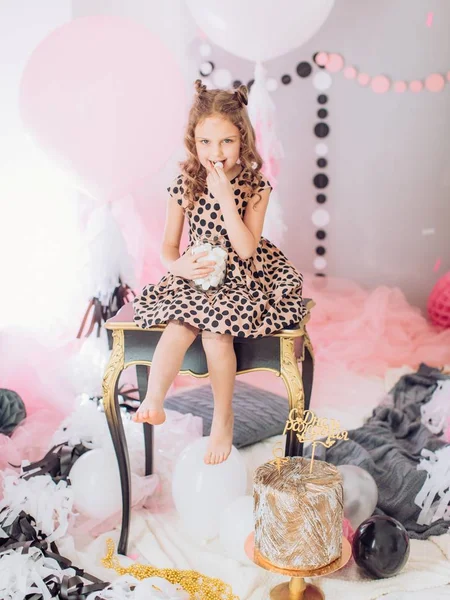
190	267
218	184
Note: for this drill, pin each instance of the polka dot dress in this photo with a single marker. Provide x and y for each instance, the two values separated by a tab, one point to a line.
259	296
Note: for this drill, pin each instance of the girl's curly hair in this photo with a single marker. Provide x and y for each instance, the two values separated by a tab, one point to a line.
231	106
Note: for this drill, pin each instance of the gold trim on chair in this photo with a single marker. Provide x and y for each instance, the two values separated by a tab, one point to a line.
291	375
148	363
113	369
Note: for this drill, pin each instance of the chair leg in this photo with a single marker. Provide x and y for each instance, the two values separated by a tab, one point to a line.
113	417
308	371
142	380
294	387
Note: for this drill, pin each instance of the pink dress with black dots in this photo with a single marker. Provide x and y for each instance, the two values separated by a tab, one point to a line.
259	296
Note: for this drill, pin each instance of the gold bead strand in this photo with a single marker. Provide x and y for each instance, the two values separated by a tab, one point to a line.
199	587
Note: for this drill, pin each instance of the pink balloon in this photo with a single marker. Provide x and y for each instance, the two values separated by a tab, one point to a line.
435	82
106	100
335	63
380	84
416	86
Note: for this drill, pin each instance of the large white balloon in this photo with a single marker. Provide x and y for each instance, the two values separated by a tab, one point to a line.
259	30
201	492
96	484
236	524
360	494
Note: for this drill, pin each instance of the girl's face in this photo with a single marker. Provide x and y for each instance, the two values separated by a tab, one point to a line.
217	139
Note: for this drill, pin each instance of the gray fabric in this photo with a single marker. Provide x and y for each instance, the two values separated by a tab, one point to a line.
257	414
388	446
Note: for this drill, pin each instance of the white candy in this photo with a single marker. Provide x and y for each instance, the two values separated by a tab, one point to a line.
217	255
221	251
219	164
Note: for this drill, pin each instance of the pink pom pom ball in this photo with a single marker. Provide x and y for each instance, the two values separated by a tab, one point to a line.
438	305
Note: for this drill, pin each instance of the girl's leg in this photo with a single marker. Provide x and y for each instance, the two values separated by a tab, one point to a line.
166	363
221	361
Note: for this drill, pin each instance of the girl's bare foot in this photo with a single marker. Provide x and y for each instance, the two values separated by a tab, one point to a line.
150	412
220	439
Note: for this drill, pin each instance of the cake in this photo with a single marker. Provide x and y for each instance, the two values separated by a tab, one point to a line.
298	515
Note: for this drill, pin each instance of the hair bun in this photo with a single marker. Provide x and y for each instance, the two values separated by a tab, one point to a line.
199	86
242	94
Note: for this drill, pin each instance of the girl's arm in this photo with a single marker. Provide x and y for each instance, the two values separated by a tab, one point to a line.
245	234
173	229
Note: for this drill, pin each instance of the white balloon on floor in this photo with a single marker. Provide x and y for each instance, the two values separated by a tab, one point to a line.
96	484
201	492
236	523
360	494
263	31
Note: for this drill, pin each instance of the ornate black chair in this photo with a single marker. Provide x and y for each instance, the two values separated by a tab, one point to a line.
278	353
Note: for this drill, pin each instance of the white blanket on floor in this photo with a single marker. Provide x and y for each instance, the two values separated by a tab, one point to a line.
160	541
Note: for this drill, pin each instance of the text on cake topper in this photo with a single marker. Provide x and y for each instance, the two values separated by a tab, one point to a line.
308	428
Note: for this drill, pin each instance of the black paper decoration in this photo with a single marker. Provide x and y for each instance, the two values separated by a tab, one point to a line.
321	198
321	180
12	411
57	462
22	533
322	162
320	250
286	79
322	99
321	234
202	73
304	69
322	113
321	130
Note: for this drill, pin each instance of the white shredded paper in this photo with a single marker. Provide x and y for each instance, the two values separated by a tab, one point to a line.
49	503
23	574
434	497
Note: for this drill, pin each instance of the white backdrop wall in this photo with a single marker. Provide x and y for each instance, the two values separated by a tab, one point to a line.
388	158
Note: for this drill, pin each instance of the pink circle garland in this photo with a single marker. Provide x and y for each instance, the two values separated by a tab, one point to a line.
335	63
350	72
363	79
322	59
380	84
435	82
416	86
400	87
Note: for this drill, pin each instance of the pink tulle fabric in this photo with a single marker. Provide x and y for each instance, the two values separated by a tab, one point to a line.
370	331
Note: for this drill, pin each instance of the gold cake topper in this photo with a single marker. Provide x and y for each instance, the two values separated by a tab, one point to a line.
311	427
279	459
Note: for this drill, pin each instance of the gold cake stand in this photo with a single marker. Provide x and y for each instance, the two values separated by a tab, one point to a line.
297	588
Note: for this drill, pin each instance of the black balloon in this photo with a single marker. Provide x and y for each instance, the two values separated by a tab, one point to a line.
381	546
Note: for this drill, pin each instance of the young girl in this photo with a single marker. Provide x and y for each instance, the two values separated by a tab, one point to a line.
221	191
